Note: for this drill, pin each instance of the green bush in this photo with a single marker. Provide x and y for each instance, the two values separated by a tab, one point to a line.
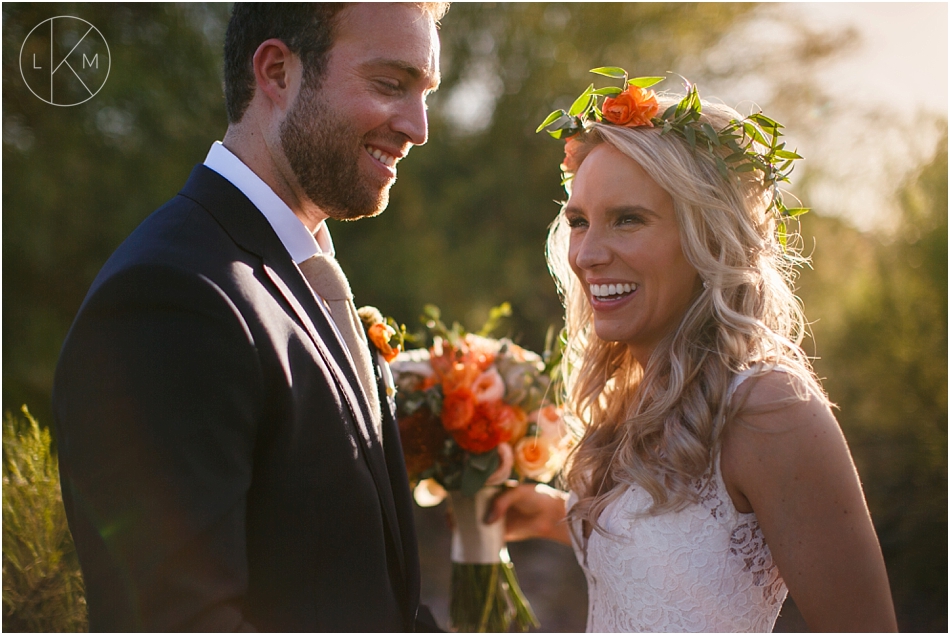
42	584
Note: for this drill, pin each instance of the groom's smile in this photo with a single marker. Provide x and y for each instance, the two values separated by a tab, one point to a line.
383	157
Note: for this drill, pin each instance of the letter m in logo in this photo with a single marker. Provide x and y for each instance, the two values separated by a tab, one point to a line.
90	62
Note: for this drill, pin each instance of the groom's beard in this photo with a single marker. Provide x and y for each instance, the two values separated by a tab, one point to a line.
324	153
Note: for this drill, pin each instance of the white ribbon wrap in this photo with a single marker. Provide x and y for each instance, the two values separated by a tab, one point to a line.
474	542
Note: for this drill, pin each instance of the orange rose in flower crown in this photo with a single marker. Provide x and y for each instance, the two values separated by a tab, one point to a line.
633	107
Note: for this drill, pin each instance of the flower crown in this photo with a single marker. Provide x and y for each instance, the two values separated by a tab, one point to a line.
744	145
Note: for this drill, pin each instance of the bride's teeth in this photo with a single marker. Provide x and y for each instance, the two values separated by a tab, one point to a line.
608	290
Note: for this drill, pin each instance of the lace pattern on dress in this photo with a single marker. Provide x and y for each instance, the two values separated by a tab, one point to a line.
704	568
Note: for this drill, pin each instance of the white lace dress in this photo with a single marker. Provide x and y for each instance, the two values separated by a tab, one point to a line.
705	568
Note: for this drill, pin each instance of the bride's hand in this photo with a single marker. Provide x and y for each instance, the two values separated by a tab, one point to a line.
531	511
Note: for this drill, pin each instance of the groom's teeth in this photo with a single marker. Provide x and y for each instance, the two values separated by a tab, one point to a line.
381	156
608	290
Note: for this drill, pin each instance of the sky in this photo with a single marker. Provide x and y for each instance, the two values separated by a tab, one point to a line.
904	44
884	94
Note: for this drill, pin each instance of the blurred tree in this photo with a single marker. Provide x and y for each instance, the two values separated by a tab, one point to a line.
881	335
77	180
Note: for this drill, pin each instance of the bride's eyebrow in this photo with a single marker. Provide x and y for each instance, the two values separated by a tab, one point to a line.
613	212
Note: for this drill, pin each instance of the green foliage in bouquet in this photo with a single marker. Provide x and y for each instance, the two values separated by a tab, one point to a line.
42	584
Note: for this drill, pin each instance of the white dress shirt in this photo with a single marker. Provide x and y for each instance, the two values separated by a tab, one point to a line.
296	238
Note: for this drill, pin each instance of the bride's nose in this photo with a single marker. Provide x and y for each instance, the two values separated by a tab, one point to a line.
590	250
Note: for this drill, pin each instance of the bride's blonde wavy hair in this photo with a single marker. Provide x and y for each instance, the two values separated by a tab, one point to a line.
659	426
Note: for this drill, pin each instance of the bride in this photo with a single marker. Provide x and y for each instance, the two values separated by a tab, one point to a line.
710	477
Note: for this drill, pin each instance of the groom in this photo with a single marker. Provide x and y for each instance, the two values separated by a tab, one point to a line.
225	461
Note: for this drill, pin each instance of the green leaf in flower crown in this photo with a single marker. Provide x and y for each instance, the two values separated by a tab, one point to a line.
782	231
754	132
765	122
582	103
554	116
690	135
610	71
796	211
787	154
710	133
645	82
609	91
695	104
721	166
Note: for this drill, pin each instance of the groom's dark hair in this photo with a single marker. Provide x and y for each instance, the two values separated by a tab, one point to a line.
307	28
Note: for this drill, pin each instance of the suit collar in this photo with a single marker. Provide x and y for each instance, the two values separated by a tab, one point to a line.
299	242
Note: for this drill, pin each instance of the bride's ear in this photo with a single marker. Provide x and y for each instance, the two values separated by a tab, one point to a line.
277	73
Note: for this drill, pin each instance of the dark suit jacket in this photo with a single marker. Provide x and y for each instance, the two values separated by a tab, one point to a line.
219	466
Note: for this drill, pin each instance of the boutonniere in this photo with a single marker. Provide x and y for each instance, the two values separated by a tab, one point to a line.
387	337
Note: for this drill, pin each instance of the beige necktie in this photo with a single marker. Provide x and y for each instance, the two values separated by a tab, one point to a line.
329	282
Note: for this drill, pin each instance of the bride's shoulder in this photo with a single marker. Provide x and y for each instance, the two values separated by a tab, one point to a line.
783	426
777	399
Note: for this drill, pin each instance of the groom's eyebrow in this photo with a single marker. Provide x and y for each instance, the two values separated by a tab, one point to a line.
416	73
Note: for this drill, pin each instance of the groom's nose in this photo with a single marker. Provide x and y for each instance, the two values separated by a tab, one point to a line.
412	120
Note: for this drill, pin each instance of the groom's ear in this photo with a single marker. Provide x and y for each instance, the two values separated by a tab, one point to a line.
277	72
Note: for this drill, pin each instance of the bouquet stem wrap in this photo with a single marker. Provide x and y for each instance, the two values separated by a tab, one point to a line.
485	592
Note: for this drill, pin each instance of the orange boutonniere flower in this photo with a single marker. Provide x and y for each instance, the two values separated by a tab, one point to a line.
633	107
380	335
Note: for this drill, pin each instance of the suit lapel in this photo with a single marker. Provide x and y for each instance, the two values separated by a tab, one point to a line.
251	231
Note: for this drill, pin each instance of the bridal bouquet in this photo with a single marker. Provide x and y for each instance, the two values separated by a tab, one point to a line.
475	413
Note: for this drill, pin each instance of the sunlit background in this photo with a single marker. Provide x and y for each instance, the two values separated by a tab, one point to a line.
861	88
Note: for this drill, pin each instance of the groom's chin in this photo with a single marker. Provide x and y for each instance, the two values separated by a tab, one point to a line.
367	206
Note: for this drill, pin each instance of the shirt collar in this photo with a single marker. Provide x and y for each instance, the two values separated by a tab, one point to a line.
293	234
